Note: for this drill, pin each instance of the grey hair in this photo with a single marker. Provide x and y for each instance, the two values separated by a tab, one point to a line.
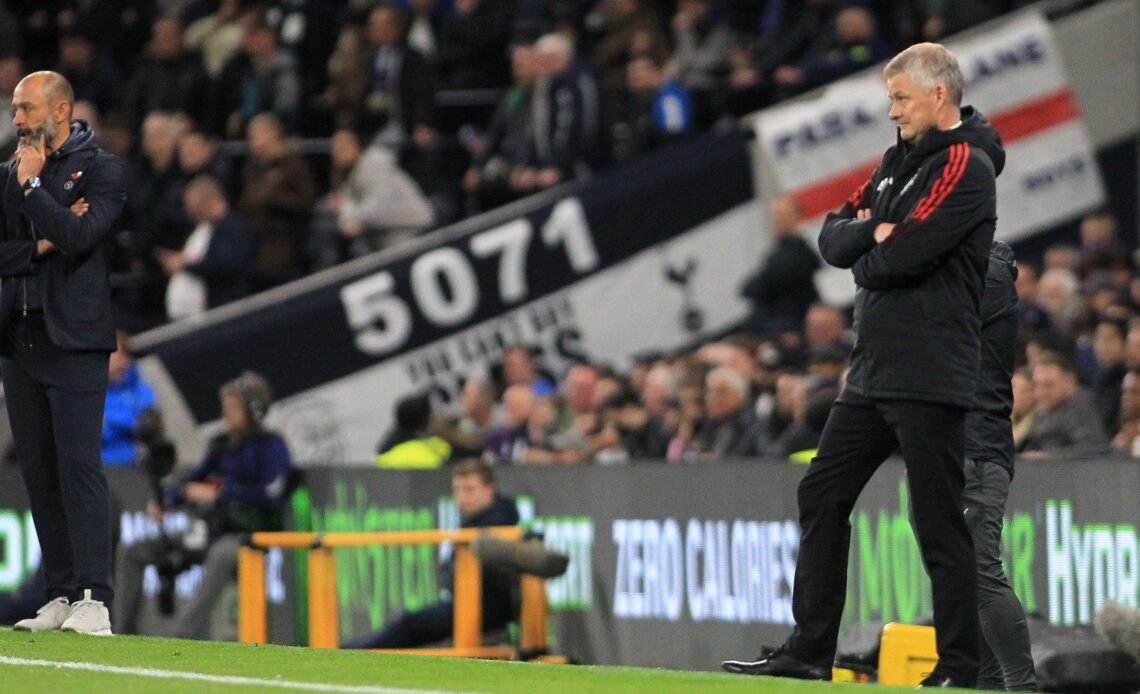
730	378
555	43
929	64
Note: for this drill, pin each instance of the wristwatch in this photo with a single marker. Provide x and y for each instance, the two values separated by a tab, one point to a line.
32	183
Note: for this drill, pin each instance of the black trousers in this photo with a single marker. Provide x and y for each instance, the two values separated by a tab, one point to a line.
429	625
55	405
1006	662
858	436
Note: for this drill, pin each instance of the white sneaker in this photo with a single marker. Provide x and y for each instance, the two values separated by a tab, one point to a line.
48	618
88	617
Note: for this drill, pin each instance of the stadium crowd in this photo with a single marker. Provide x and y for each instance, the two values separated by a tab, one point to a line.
320	131
766	390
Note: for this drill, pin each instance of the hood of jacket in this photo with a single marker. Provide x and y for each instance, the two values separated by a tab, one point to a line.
974	130
82	137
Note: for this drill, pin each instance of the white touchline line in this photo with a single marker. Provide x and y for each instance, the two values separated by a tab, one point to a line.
216	679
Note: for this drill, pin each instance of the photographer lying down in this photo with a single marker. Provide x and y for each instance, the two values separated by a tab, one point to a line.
240	487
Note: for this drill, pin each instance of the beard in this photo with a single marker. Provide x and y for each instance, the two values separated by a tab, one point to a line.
29	135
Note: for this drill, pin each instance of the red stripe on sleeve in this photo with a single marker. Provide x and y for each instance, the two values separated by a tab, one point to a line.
951	175
857	197
939	184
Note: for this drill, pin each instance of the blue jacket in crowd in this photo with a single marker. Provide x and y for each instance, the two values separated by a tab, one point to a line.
126	400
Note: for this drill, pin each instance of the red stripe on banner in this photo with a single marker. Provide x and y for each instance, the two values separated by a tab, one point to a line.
1031	118
951	174
830	194
1025	120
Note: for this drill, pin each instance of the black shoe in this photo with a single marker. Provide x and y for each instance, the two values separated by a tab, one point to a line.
936	680
776	663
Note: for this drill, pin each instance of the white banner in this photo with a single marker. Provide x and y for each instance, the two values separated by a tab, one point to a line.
822	149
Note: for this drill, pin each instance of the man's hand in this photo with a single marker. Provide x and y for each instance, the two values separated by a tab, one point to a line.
172	261
30	159
200	492
883	232
79	207
43	247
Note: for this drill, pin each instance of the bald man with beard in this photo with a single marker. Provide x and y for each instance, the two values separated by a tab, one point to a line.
60	202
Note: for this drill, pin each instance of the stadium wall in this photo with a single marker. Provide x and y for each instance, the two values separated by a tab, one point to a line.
671	566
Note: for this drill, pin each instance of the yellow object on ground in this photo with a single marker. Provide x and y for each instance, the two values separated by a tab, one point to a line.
907	654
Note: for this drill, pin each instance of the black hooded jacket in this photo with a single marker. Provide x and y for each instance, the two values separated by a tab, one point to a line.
917	323
72	281
989	432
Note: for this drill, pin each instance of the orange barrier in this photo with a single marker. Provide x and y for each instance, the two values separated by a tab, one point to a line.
323	629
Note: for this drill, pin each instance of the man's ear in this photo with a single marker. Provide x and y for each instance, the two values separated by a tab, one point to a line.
63	112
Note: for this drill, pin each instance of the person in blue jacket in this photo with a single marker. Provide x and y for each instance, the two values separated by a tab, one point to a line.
128	398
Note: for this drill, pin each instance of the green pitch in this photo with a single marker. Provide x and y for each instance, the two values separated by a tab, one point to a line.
124	664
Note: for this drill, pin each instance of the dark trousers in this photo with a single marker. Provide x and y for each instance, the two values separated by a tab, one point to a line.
55	405
1005	659
429	625
858	436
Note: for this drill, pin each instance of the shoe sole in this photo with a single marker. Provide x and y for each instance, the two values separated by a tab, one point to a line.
101	632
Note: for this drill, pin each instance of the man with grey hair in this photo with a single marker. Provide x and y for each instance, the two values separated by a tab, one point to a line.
732	428
56	337
917	236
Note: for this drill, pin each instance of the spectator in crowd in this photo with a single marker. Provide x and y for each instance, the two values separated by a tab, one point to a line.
941	18
373	203
168	78
632	27
478	418
659	109
91	73
811	404
346	65
825	326
730	429
11	70
213	267
566	128
701	49
480	506
1059	294
216	37
1101	249
262	78
520	366
502	444
783	289
424	27
1063	256
278	192
1066	423
1132	345
1108	346
129	398
1033	317
578	418
399	96
1127	439
241	486
856	46
198	155
410	445
506	144
1024	407
471	44
788	33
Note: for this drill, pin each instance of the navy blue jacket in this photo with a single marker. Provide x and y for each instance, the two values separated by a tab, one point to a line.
73	282
989	431
498	585
226	266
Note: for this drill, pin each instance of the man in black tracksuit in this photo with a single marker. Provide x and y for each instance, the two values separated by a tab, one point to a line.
917	236
56	334
1006	661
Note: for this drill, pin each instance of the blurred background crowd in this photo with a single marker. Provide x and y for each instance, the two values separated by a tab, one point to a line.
269	140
